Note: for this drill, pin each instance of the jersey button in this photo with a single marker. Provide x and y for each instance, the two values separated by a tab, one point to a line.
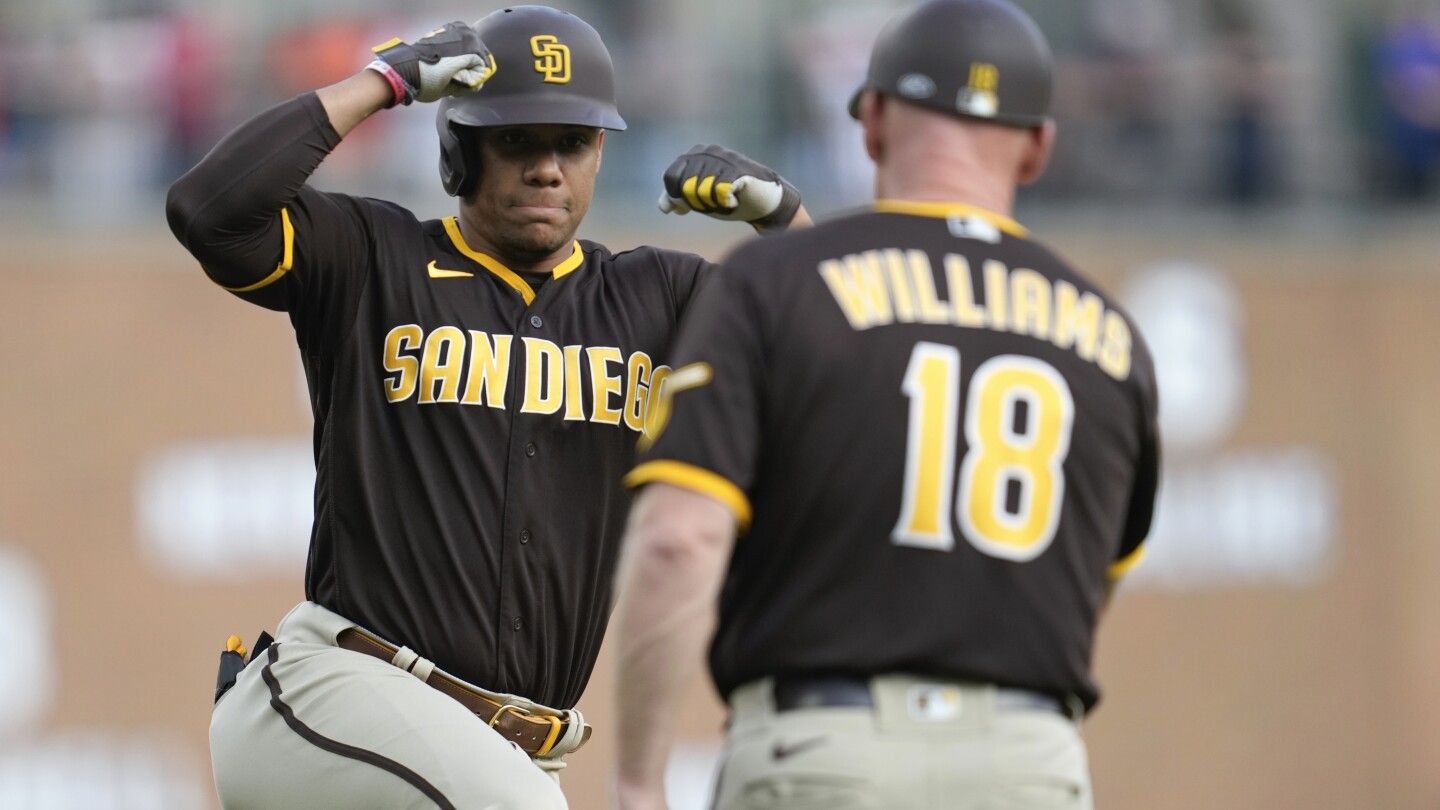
524	536
530	449
515	623
537	321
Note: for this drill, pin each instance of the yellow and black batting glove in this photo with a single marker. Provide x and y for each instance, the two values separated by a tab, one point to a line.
727	185
448	61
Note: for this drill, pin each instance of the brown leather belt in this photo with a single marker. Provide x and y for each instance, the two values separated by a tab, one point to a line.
536	734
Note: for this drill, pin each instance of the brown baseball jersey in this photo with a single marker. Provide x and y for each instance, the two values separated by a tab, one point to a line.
472	424
940	442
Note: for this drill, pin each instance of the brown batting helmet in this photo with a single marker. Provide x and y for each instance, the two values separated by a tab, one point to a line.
551	68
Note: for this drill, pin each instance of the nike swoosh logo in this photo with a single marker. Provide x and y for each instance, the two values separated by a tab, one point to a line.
782	751
440	272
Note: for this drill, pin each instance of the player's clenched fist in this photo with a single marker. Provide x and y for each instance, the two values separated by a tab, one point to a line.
727	185
446	62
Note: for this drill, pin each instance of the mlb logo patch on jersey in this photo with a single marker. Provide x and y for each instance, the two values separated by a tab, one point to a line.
968	227
933	704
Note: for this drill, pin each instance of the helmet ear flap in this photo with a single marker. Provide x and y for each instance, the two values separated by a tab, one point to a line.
459	158
452	162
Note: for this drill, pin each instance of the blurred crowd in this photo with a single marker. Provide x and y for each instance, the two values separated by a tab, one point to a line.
1406	64
1209	102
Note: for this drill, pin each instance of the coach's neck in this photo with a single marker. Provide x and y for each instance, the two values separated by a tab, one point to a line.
928	156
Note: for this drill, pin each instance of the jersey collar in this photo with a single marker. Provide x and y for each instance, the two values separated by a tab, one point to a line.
945	210
505	274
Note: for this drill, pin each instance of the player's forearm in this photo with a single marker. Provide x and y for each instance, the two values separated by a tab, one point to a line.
674	563
226	210
352	100
665	618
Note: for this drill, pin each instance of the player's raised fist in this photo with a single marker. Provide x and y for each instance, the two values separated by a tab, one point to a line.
725	184
446	62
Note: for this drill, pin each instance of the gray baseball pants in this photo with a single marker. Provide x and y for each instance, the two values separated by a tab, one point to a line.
924	745
311	725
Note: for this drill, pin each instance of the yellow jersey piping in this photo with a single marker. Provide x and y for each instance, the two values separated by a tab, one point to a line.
571	263
285	264
945	210
1126	564
505	274
452	227
695	479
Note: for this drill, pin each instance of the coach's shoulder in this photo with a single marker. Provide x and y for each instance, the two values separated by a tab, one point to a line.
1033	254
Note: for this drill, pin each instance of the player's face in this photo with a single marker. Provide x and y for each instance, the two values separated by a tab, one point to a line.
536	182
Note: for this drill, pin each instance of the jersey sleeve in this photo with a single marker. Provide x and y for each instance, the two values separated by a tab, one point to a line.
328	248
686	274
1147	475
245	213
703	430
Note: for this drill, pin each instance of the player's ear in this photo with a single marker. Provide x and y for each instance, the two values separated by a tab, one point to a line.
599	149
1037	153
872	108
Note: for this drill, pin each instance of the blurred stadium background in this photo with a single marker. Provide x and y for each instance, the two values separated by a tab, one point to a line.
1259	179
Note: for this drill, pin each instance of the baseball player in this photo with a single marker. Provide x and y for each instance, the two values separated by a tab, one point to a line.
478	384
937	442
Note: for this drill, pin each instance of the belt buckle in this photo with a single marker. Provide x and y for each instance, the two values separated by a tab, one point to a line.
500	712
556	724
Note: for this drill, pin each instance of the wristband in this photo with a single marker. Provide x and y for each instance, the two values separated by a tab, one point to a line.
397	85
